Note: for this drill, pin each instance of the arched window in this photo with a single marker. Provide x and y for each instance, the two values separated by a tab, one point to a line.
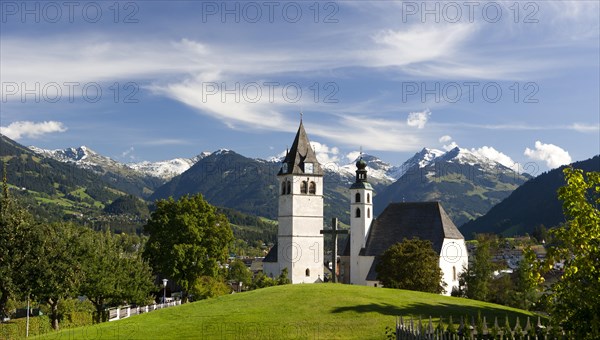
303	187
357	214
357	197
368	212
307	272
454	273
283	188
288	186
368	198
312	189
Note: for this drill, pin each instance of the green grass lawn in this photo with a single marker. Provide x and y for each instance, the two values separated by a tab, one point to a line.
325	311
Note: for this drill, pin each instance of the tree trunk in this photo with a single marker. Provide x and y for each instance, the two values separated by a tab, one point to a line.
99	304
3	303
54	313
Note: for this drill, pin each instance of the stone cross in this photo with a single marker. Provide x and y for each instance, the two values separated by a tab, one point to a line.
334	231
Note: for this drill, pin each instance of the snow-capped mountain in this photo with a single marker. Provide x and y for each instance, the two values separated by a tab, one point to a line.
485	158
377	169
421	159
86	158
167	169
82	156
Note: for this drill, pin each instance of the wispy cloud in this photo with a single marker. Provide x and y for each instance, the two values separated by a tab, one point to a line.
20	129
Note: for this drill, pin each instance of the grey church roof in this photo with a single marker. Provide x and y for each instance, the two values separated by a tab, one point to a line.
272	255
424	220
301	153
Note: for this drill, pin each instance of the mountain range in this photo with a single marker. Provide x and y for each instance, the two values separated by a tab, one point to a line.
465	181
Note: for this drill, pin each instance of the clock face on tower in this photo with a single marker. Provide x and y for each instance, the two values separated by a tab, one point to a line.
308	168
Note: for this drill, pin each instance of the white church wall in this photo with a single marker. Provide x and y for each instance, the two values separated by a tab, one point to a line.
364	264
302	256
271	269
453	258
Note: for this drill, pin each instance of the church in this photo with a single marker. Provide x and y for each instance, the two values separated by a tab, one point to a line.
299	245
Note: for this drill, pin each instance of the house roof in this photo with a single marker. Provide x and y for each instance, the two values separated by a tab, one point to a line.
301	153
423	220
272	255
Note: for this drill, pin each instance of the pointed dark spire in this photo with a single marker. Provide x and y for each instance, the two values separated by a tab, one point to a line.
301	156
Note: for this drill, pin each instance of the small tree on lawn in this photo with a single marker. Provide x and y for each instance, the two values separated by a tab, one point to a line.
411	264
188	240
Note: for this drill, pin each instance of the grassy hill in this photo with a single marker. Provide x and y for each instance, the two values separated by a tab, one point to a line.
325	311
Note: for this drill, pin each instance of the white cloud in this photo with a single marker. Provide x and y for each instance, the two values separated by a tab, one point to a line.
553	155
419	43
585	127
450	146
20	129
352	156
325	154
445	139
495	155
418	119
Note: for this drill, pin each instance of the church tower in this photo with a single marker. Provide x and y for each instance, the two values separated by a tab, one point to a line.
361	215
300	244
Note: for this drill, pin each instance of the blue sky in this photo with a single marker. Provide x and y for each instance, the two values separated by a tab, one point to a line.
517	81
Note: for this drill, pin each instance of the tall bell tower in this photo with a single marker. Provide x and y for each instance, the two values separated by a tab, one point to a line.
361	216
300	244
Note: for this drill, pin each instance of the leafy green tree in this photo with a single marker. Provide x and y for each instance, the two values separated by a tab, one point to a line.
57	272
261	280
478	276
238	272
188	240
411	264
111	274
527	281
575	300
283	279
208	287
16	248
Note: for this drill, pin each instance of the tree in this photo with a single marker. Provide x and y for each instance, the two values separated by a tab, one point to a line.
575	299
478	276
16	247
527	281
57	272
188	240
111	274
238	272
411	264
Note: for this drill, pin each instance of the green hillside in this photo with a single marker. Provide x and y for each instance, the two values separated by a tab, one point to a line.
325	311
532	204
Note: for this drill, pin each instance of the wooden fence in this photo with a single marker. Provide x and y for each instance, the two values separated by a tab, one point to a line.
411	329
123	312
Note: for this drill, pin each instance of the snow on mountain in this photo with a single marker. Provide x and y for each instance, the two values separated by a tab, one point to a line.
486	158
82	156
422	159
86	158
166	169
376	168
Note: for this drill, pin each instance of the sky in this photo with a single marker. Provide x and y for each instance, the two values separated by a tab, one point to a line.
518	81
